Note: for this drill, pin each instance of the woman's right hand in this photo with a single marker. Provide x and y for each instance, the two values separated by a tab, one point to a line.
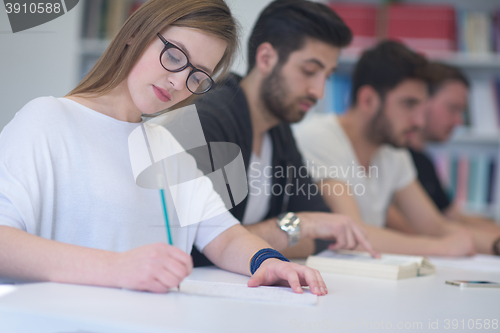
154	267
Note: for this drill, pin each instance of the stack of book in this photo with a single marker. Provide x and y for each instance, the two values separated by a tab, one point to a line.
433	29
424	28
388	266
362	19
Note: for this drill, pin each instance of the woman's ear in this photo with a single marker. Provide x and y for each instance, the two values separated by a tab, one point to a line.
368	100
266	58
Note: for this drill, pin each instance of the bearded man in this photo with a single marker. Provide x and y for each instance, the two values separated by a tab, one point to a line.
360	162
444	111
293	49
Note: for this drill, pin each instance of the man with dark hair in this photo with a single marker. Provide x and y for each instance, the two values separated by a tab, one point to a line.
293	49
358	164
443	112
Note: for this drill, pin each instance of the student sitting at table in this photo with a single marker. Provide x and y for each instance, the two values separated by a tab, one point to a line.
443	112
357	161
292	50
70	210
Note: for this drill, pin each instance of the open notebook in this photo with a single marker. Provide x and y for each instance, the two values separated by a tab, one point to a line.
389	266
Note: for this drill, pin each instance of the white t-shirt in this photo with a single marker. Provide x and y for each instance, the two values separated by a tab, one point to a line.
66	175
329	155
259	182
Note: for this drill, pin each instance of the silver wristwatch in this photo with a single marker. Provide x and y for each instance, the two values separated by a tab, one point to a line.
290	223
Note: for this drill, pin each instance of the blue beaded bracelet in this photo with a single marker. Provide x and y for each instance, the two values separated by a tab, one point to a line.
264	254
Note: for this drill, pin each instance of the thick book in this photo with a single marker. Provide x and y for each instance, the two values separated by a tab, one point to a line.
389	266
362	19
425	28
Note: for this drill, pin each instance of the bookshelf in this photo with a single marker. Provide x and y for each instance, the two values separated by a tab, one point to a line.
471	150
472	145
463	60
101	20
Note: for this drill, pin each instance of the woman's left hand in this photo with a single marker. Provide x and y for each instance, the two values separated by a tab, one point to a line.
274	271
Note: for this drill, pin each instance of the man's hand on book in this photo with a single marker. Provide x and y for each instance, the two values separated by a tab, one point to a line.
346	233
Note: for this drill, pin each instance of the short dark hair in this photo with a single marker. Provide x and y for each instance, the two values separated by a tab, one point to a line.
286	24
442	74
385	66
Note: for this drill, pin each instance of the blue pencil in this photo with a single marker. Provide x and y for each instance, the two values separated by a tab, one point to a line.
166	217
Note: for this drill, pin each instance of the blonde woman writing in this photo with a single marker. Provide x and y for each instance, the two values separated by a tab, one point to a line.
70	210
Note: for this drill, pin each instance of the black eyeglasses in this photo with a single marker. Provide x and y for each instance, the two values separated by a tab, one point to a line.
173	59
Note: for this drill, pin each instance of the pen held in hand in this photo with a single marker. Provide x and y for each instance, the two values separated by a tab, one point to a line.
167	224
165	215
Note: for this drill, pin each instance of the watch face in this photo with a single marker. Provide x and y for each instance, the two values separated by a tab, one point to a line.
282	216
287	220
290	223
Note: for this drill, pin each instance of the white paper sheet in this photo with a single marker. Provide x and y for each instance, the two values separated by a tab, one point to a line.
242	292
6	289
479	262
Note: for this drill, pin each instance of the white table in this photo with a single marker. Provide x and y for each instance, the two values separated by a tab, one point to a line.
353	303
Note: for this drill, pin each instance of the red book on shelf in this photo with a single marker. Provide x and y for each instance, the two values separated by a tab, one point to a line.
425	28
362	19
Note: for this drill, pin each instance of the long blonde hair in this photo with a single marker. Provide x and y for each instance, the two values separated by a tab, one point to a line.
210	16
